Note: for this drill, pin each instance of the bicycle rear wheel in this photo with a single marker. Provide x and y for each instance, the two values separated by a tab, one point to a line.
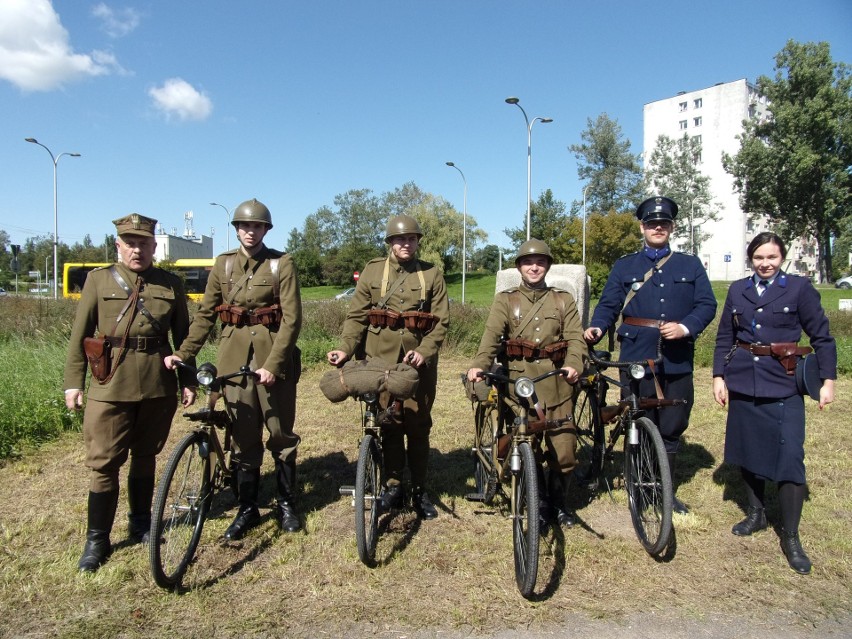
368	486
484	473
649	486
591	439
179	509
525	524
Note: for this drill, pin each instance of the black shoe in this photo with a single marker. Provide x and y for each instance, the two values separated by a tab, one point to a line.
96	551
423	506
755	520
796	557
285	515
565	518
679	507
138	530
246	519
392	497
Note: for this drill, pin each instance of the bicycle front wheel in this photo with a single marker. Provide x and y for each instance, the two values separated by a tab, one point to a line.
525	524
179	509
649	486
591	440
368	486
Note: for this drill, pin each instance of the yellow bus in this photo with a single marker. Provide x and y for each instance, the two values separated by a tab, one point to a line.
194	272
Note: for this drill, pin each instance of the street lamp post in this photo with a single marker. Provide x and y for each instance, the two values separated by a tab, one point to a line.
55	160
464	228
227	233
585	188
516	102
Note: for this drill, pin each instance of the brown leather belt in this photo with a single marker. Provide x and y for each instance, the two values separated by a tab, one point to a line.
640	321
140	343
766	349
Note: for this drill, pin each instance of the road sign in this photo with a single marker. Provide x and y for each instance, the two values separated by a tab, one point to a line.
35	274
727	257
14	265
355	276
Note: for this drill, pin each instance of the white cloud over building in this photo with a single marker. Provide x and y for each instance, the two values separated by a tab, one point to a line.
177	98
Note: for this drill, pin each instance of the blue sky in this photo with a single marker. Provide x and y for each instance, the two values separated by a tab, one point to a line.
174	105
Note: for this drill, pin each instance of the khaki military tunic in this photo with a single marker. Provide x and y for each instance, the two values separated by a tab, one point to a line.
272	348
556	319
134	410
359	339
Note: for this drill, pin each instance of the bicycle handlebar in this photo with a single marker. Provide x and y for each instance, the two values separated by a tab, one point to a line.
605	363
209	369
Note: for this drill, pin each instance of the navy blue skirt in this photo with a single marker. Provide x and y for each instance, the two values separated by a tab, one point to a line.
767	436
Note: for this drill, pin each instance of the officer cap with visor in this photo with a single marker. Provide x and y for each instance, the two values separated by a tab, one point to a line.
135	224
657	209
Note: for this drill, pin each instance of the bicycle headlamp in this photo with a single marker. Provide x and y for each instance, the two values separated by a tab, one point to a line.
637	371
524	387
206	374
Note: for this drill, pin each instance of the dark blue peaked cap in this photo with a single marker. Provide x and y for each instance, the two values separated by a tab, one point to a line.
657	208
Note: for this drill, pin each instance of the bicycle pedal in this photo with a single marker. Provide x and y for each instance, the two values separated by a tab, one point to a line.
475	497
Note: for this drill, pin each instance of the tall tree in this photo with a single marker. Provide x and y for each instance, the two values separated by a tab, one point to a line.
612	174
794	167
673	170
547	221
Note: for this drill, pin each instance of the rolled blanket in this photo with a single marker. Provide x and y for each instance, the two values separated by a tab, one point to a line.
369	375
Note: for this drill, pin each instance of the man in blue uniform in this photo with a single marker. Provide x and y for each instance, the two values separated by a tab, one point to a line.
665	300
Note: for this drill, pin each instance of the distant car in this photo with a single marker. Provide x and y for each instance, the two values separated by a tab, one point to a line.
844	282
345	295
2	291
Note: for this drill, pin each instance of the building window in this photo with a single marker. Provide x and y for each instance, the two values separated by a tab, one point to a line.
682	106
697	103
696	121
697	138
683	125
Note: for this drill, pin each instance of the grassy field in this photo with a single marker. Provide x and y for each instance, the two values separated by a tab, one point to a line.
451	576
448	578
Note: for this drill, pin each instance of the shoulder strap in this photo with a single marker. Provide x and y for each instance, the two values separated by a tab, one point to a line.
276	279
387	291
634	289
133	296
517	310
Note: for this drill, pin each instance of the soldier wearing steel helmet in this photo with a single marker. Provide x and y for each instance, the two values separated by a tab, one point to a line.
546	318
254	291
665	299
401	283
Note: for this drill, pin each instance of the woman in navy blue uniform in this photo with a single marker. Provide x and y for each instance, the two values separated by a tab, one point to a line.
665	300
765	433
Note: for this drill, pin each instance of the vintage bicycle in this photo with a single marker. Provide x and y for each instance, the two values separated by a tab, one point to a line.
198	468
504	454
369	475
647	479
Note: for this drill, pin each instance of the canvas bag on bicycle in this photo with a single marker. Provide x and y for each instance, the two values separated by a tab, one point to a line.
360	376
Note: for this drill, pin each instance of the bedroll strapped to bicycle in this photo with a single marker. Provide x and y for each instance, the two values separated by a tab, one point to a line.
369	375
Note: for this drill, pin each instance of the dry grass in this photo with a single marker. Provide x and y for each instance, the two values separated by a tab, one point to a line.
452	576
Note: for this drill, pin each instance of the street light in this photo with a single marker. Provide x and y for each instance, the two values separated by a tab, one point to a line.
464	228
516	101
55	161
585	188
227	233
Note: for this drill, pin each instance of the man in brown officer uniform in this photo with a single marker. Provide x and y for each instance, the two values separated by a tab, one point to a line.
254	290
541	317
130	412
410	290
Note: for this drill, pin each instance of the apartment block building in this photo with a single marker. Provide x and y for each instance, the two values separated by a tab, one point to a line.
715	116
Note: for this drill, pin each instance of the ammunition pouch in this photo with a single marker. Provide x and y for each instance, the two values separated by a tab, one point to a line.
233	315
525	349
384	318
419	321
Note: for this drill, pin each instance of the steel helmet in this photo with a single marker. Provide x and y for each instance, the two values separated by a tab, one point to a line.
534	247
252	211
402	225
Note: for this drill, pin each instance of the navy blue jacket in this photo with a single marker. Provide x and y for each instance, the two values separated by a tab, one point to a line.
678	292
788	307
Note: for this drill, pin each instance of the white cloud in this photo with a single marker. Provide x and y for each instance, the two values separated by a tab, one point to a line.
35	54
116	23
180	99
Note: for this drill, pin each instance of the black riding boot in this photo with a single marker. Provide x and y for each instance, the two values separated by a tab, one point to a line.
677	505
101	515
140	492
791	498
285	507
756	517
558	489
248	516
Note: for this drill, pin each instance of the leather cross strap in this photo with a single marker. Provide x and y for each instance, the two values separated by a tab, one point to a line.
139	305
